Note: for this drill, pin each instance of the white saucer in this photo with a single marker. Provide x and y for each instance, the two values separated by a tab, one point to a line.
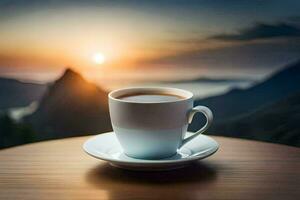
106	147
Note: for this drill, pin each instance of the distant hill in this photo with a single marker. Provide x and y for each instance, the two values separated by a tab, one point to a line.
70	107
14	93
278	122
239	101
213	80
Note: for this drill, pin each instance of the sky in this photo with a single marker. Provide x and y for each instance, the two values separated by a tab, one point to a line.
147	40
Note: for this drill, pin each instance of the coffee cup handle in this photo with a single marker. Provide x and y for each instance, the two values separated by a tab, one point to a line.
209	118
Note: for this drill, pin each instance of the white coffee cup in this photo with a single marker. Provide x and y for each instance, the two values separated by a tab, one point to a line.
154	130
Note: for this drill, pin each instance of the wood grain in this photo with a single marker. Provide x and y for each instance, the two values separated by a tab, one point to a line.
60	169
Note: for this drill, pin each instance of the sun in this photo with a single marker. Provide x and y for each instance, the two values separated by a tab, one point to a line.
99	58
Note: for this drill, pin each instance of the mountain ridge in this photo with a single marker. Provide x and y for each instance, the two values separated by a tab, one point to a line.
276	122
234	109
213	80
15	93
237	101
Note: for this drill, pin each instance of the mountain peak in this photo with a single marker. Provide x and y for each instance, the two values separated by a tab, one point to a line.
70	72
71	106
70	76
293	67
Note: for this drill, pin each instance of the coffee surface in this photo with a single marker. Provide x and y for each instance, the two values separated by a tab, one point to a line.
150	98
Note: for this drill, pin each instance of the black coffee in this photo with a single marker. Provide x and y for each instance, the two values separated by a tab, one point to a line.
150	97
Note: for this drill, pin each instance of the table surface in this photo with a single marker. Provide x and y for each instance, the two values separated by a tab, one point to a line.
59	169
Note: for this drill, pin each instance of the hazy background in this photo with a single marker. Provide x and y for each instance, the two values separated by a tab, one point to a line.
58	60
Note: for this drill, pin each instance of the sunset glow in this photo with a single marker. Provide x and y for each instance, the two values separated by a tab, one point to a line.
99	58
108	40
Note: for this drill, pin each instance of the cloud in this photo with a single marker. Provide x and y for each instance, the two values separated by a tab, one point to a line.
251	56
262	31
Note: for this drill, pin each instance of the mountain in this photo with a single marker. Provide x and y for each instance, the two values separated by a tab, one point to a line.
14	93
71	106
239	101
277	122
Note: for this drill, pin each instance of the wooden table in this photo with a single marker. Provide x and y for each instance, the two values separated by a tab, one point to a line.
59	169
